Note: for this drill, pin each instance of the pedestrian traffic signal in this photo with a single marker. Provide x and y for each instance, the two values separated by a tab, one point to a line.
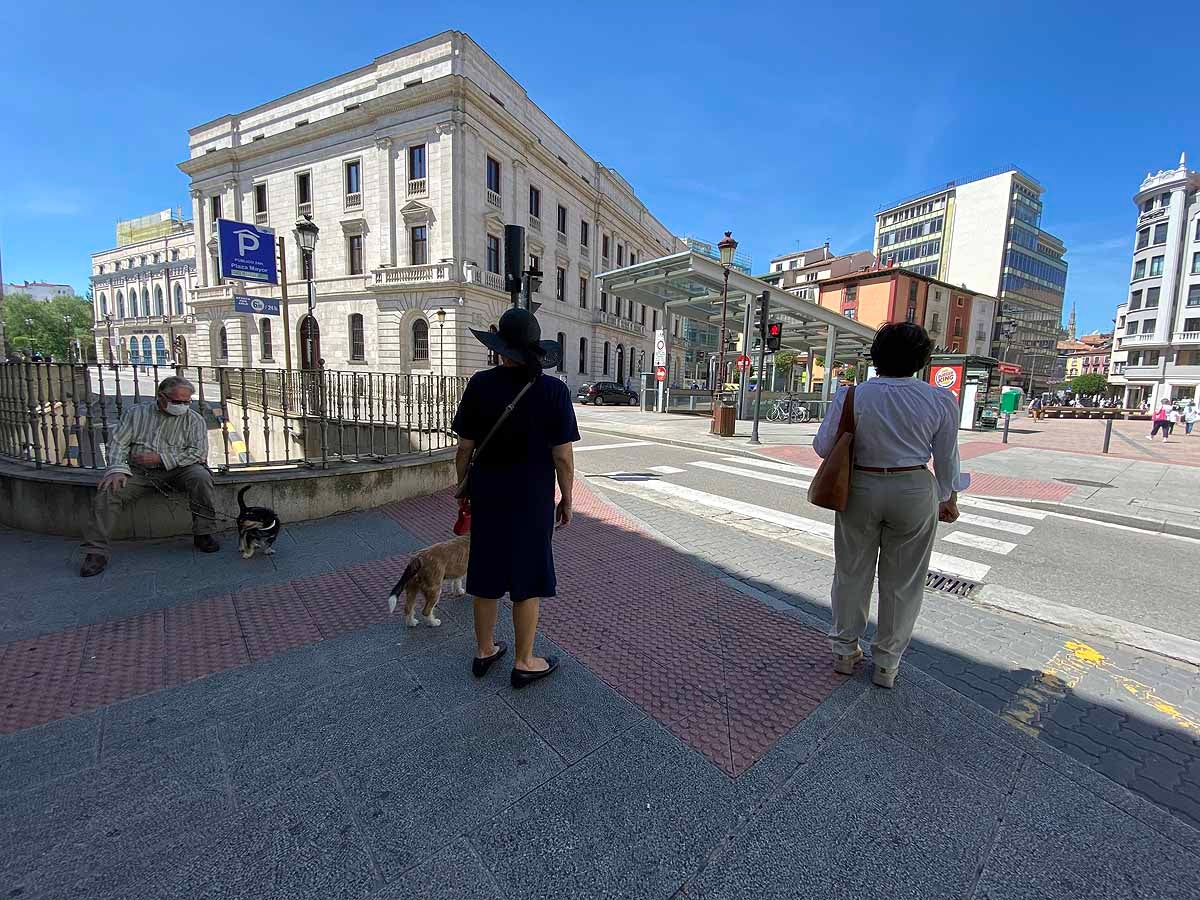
774	336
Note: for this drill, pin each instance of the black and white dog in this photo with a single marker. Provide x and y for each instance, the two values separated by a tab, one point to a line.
257	527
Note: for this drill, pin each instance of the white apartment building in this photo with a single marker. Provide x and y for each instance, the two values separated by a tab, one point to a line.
1160	334
411	166
1118	358
985	234
42	291
141	293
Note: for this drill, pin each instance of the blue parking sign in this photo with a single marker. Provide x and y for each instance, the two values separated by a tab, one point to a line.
247	253
262	306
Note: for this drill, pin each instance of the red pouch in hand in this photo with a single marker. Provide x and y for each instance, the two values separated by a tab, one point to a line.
462	525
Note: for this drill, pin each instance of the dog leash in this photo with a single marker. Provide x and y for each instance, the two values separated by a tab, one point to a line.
173	498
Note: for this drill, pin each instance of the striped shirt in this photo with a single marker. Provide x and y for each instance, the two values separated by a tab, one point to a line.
179	440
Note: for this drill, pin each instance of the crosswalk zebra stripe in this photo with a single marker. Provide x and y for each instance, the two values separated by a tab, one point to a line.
997	524
760	476
666	470
992	505
613	446
773	466
979	542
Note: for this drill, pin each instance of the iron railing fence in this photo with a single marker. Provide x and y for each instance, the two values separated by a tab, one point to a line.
63	414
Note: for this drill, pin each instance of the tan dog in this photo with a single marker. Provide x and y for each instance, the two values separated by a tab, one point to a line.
424	575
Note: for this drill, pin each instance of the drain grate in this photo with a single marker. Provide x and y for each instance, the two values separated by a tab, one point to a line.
1083	482
949	584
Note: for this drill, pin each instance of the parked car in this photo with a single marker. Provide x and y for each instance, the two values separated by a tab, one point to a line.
609	392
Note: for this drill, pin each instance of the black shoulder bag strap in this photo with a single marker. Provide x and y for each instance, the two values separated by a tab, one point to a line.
464	487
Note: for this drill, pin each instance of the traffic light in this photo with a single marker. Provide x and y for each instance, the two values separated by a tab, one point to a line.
774	336
761	303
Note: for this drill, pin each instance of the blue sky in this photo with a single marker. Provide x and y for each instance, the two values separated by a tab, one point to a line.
783	123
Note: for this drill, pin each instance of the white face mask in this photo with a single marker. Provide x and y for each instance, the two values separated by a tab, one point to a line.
177	409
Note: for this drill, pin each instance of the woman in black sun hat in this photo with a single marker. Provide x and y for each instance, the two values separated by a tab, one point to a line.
511	479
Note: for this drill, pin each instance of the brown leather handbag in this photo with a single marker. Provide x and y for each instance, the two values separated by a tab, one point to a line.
830	487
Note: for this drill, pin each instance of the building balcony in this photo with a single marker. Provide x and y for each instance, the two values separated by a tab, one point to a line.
562	239
417	187
535	224
395	276
612	320
494	280
354	200
1132	339
304	209
494	199
260	218
1186	337
1156	213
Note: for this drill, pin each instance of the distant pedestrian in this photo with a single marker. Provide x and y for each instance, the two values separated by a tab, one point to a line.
1190	417
895	503
1160	421
1036	409
1173	417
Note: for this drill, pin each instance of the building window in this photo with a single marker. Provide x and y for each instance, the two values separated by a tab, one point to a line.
583	356
264	339
603	302
1151	358
535	202
1198	229
493	254
420	340
1165	199
158	301
418	246
1143	238
560	283
958	326
1134	358
632	257
120	305
304	194
1160	233
1156	265
620	255
583	293
1135	301
912	293
1193	295
850	313
134	352
1196	263
562	219
103	304
214	209
1148	325
178	299
562	352
654	327
936	321
1139	269
1191	325
355	253
223	343
604	246
260	203
174	254
1152	295
493	176
416	162
145	301
911	315
353	183
851	293
358	343
584	233
605	368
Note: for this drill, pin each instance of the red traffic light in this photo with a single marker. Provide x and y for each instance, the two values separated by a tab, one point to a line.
774	336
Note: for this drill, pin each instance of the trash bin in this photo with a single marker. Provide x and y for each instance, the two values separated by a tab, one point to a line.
724	421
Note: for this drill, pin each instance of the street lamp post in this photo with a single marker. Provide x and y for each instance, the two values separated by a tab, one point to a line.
67	329
29	335
441	317
726	246
306	236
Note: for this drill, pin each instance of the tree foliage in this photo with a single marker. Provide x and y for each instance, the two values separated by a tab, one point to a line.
36	325
1090	383
785	361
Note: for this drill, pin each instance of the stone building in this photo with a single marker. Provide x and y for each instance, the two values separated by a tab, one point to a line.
411	166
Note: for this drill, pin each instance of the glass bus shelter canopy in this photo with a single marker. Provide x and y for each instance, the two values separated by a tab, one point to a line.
689	284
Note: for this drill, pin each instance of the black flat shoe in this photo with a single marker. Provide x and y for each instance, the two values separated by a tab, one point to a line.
480	666
521	678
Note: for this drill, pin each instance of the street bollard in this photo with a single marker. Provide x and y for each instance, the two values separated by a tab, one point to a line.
1007	419
1107	434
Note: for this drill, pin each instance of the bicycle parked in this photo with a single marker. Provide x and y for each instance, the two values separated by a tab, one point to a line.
788	409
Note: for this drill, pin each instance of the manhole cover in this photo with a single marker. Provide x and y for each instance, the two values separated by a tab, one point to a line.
949	584
1083	482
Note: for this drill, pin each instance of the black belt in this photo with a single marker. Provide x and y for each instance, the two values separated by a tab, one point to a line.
886	471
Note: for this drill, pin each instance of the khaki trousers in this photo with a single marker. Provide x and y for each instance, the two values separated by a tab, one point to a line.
194	481
890	519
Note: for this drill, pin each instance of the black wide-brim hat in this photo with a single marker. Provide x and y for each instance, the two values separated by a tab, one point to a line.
518	337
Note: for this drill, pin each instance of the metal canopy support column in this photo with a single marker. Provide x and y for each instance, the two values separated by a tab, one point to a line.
744	375
830	348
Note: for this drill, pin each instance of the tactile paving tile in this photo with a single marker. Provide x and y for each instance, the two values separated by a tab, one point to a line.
200	624
336	604
706	730
272	627
188	663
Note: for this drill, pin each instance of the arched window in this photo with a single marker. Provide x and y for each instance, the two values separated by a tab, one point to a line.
420	340
606	357
621	363
265	339
223	344
156	259
146	302
160	350
134	350
146	350
120	305
158	301
174	254
358	344
178	298
562	352
103	304
583	356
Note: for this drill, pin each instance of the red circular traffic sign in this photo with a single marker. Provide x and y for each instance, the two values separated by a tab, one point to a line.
660	374
743	362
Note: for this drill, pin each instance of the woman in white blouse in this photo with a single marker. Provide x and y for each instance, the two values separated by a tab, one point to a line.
895	502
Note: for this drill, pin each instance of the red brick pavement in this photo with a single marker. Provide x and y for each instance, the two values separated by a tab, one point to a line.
722	671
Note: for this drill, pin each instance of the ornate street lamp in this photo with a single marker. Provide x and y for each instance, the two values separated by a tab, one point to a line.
310	333
727	246
441	317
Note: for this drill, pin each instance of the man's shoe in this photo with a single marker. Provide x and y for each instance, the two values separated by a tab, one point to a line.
206	543
93	564
884	677
844	665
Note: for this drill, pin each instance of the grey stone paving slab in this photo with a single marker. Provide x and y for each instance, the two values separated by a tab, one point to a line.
37	755
573	711
63	829
631	820
1057	842
444	780
865	817
456	873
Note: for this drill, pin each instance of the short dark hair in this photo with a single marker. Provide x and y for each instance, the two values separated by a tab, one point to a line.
900	349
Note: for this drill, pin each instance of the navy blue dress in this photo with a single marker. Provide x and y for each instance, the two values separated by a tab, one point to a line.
512	485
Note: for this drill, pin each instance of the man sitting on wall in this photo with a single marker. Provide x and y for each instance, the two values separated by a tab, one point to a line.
159	446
